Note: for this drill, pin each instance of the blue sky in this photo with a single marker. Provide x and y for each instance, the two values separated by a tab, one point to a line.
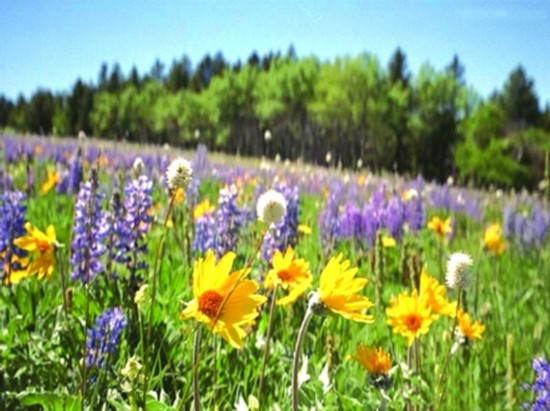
50	44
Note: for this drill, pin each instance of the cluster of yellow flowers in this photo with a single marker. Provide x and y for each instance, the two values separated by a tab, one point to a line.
226	302
411	315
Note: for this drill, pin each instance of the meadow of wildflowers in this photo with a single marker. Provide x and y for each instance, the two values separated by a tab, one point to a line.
136	277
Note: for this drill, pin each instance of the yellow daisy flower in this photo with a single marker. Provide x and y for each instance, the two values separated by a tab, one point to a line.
203	208
388	241
410	316
468	328
374	360
179	195
14	276
304	229
289	273
493	240
338	290
51	181
435	295
439	227
223	302
42	243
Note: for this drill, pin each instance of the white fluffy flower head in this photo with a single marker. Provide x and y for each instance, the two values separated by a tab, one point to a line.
458	270
138	165
271	207
179	173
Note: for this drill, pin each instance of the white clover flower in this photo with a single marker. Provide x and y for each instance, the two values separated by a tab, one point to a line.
271	207
138	165
178	173
458	270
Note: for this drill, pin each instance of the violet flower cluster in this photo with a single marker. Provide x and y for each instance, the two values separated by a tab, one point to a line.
526	230
12	226
541	386
328	220
284	233
392	214
90	228
130	223
228	221
103	339
205	234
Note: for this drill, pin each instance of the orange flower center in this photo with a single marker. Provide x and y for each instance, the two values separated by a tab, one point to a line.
209	303
42	246
284	275
413	322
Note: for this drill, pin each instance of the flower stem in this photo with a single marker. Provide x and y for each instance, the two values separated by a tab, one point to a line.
296	360
153	294
196	359
439	389
267	341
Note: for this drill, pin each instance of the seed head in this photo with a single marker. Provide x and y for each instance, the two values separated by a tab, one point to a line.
271	207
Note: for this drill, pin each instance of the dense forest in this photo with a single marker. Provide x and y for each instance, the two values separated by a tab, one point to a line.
362	112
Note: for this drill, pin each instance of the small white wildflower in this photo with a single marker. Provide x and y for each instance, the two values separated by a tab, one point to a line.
197	134
324	377
138	165
277	158
131	369
328	157
141	295
271	207
82	135
267	135
178	173
458	270
360	163
253	403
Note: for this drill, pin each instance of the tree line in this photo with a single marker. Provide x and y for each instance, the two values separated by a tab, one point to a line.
362	112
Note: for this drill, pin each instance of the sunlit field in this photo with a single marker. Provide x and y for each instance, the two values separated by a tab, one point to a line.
143	277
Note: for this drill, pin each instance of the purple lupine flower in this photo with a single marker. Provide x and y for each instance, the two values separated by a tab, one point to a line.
351	222
415	214
541	386
192	192
540	223
394	217
5	181
75	172
228	220
200	163
284	233
12	226
13	150
526	230
89	230
130	223
103	339
441	197
328	220
205	234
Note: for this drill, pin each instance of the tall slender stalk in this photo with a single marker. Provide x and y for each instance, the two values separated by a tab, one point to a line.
296	359
160	248
267	341
439	387
196	359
